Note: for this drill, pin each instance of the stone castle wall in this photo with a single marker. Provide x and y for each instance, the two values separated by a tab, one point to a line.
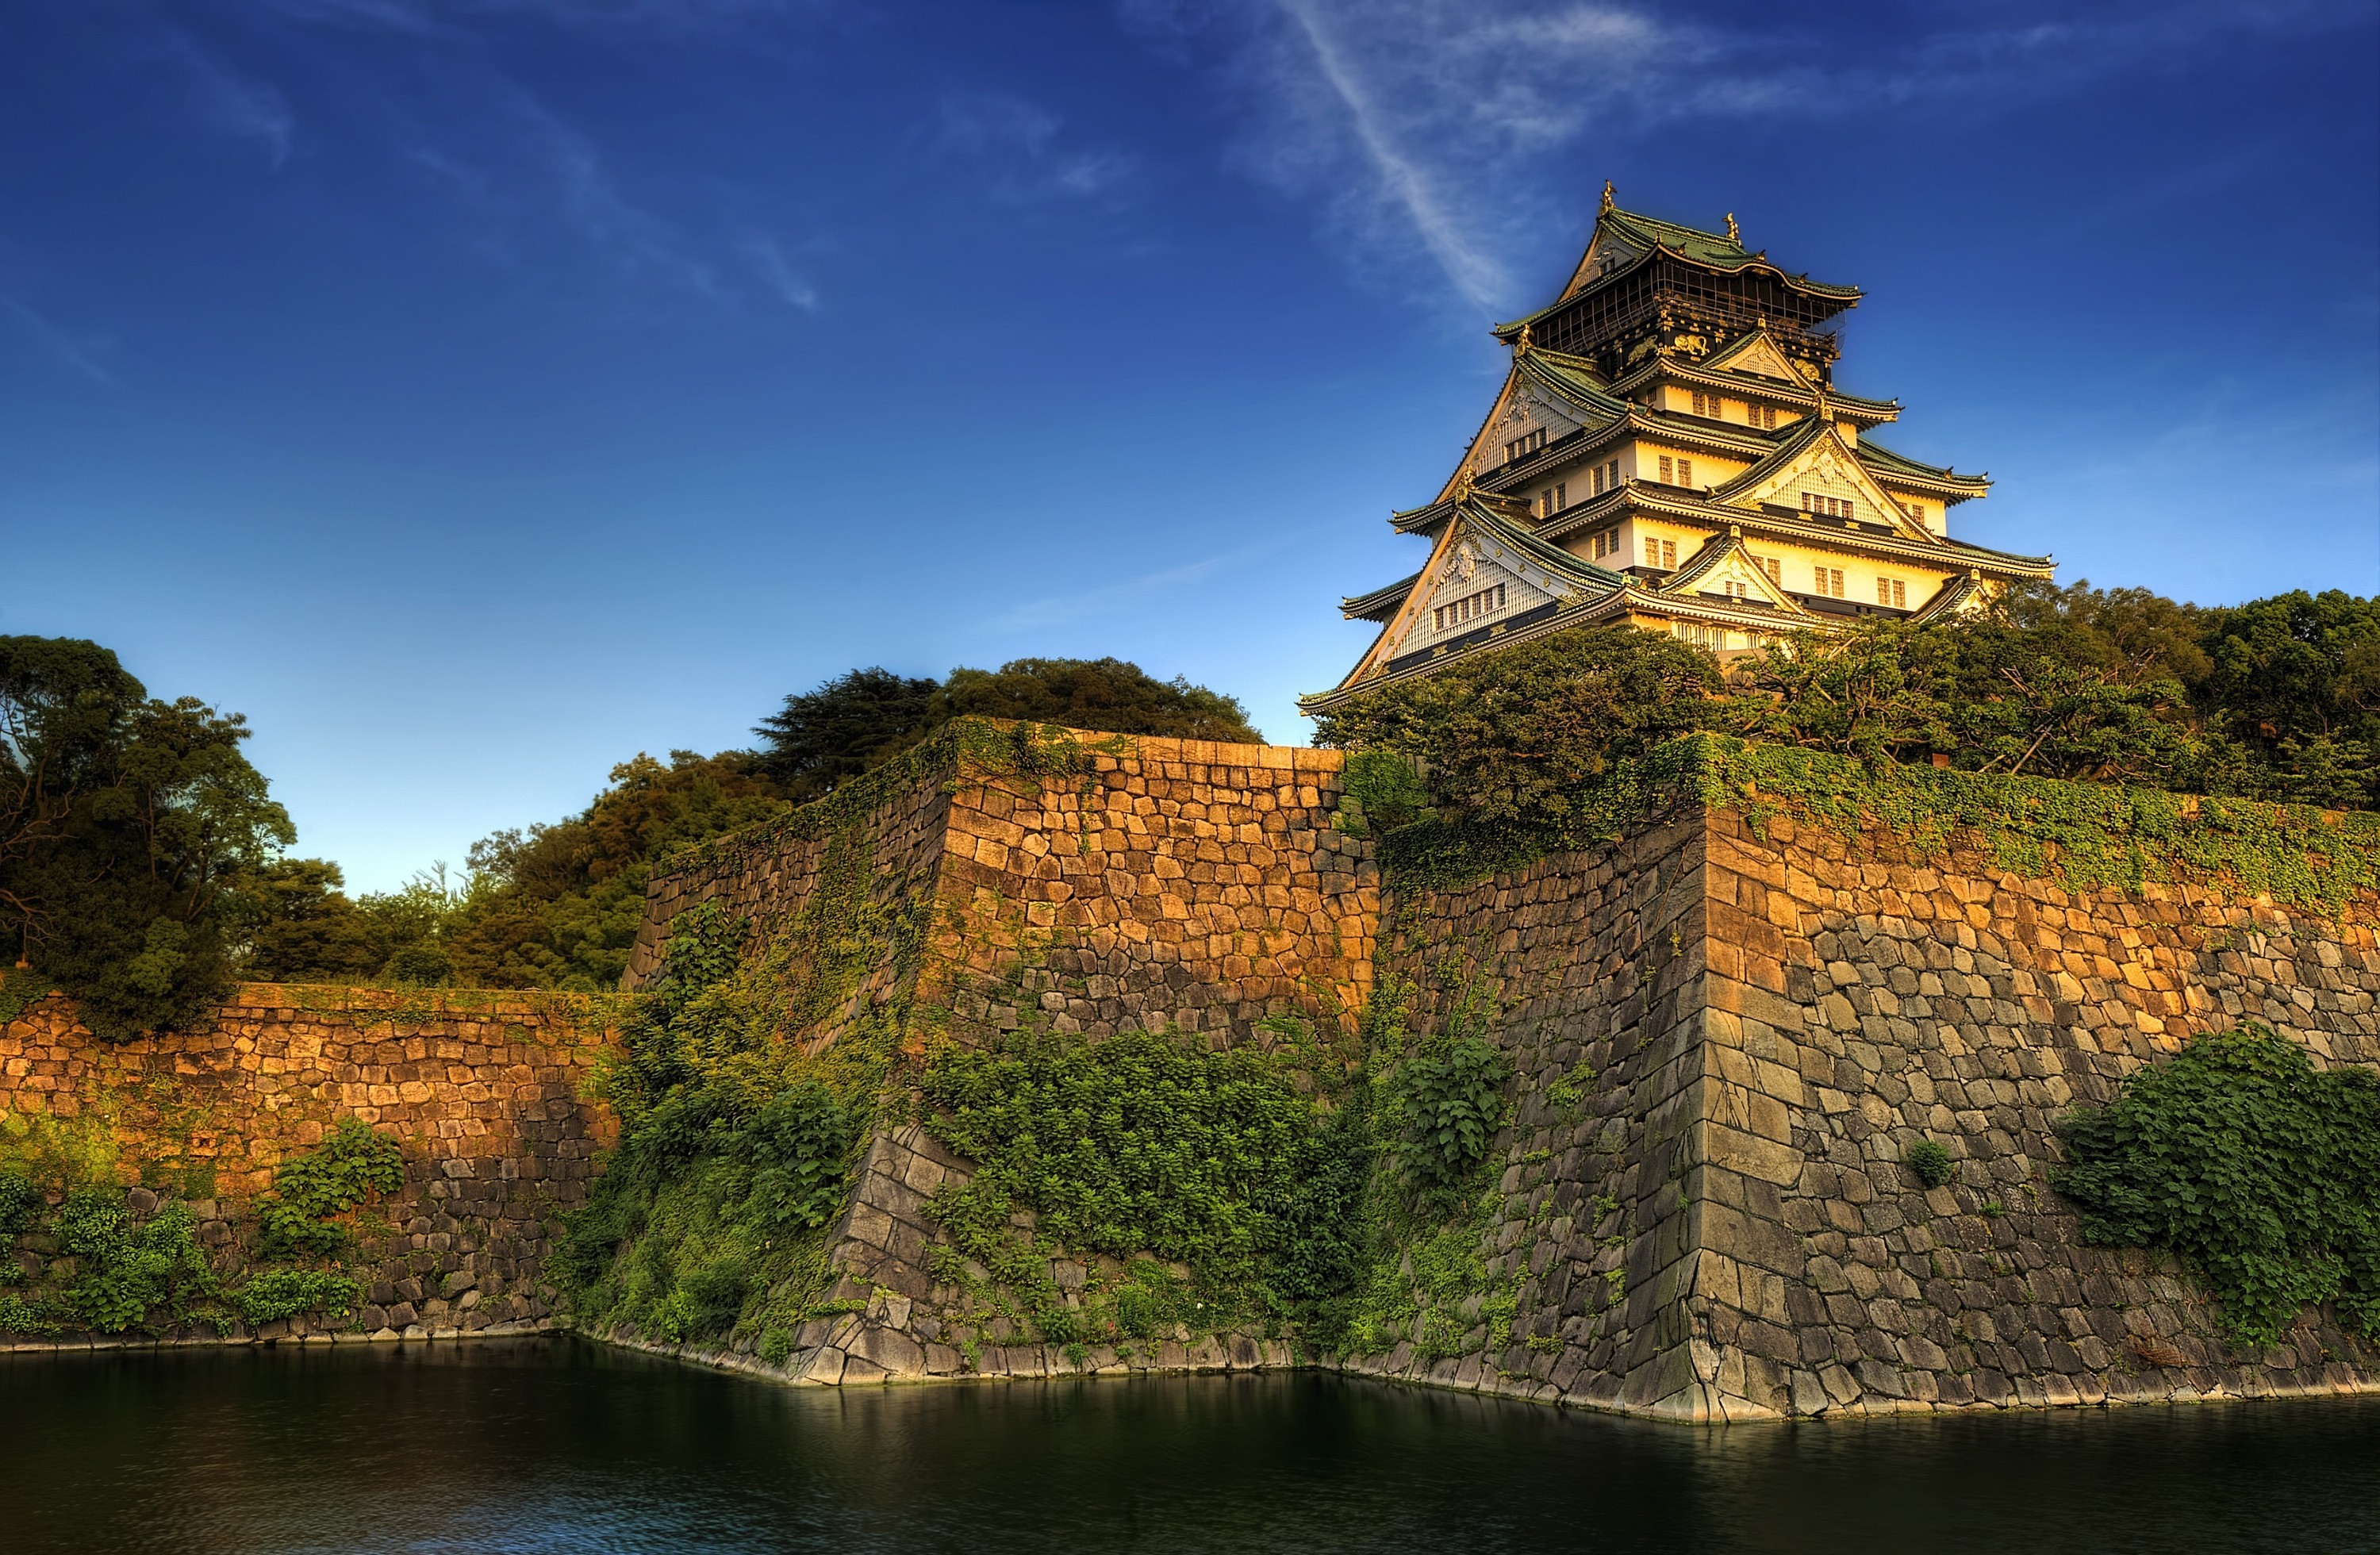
1725	1044
1178	884
482	1092
1771	1022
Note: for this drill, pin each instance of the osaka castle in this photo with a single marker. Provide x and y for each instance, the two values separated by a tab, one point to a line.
1669	450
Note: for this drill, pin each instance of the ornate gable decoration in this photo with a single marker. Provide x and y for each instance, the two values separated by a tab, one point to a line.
1828	464
1756	353
1477	579
1725	567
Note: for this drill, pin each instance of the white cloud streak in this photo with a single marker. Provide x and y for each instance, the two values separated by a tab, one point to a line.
56	341
1018	145
1421	129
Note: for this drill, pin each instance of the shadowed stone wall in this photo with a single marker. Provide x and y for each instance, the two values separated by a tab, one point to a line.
1724	1229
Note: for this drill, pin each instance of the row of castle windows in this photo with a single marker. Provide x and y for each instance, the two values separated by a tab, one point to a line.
1712	408
1469	608
1527	442
1682	469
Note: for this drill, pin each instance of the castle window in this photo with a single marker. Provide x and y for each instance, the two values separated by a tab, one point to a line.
1762	416
1660	553
1772	566
1553	499
1830	582
1699	635
1607	544
1470	608
1710	405
1892	592
1595	481
1527	442
1826	506
1686	472
1612	475
1665	470
1915	510
1736	589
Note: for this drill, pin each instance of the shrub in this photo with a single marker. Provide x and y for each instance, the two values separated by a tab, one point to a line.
284	1293
123	1270
1929	1162
1455	1104
333	1177
2258	1169
21	1202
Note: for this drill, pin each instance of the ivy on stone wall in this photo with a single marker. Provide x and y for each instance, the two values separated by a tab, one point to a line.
2258	1169
2083	836
114	1260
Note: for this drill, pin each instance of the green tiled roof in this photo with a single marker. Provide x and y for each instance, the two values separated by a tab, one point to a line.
1714	248
1876	455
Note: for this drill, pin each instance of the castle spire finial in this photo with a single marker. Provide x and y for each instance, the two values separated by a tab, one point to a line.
1524	341
1732	236
1607	196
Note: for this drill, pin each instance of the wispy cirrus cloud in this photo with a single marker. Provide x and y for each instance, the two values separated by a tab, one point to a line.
1019	147
58	342
228	100
1424	129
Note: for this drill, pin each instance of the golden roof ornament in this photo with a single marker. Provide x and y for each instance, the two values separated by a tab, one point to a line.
1607	197
1732	236
1524	341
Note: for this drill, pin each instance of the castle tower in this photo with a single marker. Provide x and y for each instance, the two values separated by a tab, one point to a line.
1668	450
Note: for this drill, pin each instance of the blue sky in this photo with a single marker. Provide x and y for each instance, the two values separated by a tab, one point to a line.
474	393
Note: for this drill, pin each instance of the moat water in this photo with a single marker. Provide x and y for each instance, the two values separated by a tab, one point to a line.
554	1445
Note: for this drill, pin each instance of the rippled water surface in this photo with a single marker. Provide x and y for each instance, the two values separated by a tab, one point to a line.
554	1445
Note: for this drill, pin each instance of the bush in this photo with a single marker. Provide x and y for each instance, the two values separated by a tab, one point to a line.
284	1293
1929	1162
123	1270
1510	734
1454	1105
21	1202
333	1177
2258	1169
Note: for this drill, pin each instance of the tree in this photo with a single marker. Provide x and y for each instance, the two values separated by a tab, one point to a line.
861	720
1512	734
1109	695
829	735
308	930
2292	683
136	836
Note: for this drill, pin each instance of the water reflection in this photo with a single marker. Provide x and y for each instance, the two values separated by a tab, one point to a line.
551	1445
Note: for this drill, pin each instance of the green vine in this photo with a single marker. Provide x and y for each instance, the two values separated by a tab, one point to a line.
2083	836
2260	1171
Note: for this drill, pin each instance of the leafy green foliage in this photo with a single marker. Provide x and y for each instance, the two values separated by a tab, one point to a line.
284	1293
124	1270
1381	790
860	720
1137	1143
1929	1162
1513	734
21	1201
341	1172
2293	682
554	906
2259	1171
132	835
736	1146
2280	698
1453	1105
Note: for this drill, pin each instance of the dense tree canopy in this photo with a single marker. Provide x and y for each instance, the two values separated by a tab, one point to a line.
859	719
2278	698
134	836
